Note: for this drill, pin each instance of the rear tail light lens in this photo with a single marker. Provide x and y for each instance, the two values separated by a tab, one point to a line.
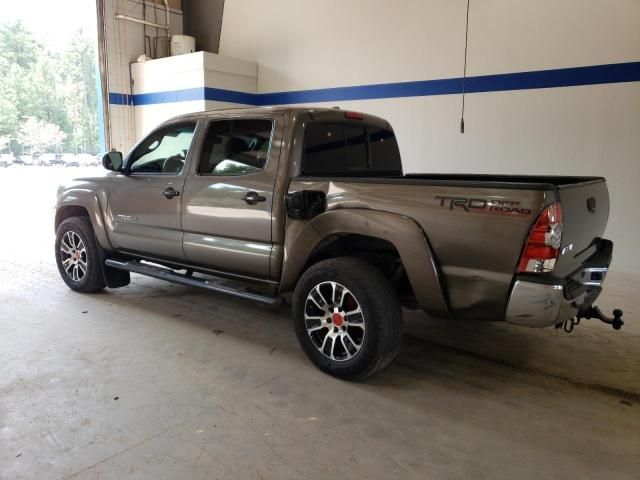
543	244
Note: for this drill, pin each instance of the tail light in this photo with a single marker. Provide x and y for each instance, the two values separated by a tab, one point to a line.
543	244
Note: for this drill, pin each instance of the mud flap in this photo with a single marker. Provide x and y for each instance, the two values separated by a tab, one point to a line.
113	277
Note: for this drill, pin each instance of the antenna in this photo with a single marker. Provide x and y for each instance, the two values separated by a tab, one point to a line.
464	76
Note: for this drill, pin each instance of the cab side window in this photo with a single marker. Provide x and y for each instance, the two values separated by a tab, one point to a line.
350	149
235	147
164	151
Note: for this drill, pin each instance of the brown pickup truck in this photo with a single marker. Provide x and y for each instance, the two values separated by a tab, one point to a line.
312	206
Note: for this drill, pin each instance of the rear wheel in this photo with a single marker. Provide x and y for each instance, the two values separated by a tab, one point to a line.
347	317
77	255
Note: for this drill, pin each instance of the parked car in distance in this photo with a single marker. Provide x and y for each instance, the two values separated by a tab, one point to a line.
312	206
69	160
47	159
6	159
58	161
21	160
88	160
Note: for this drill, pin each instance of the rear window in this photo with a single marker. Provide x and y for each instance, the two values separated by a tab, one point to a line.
347	149
235	147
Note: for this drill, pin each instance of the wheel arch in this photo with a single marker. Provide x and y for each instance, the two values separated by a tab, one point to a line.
76	204
69	211
377	251
372	235
113	278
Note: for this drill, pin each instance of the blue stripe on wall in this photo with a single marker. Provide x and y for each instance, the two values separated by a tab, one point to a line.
231	96
120	98
560	77
197	93
185	95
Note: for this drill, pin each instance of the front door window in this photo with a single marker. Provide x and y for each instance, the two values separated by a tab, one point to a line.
164	151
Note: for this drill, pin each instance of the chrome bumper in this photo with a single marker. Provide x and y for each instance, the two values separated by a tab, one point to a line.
533	304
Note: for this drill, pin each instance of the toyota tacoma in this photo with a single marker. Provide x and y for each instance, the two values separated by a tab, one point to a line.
311	206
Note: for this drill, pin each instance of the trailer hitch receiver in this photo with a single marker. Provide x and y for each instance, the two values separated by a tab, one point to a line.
593	312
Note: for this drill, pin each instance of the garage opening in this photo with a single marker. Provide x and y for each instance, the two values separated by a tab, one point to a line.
51	99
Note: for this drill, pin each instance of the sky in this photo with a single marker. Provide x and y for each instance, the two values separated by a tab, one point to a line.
53	21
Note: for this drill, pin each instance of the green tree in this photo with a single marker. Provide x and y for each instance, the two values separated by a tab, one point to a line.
39	135
43	95
19	50
9	112
53	88
82	101
4	143
19	46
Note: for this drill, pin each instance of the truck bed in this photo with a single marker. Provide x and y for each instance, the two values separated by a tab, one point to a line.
526	182
477	249
536	182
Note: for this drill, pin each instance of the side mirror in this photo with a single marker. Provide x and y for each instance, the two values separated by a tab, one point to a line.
112	161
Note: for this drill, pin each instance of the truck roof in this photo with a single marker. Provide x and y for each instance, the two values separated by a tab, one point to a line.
251	110
328	113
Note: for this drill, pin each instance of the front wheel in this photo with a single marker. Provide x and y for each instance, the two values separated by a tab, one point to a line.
77	256
347	317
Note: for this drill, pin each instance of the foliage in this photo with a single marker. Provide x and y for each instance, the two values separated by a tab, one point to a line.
47	89
39	135
4	142
19	46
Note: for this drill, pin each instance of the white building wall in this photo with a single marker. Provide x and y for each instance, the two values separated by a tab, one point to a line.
125	43
167	83
578	130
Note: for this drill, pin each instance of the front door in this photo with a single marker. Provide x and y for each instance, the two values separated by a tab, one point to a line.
144	207
227	202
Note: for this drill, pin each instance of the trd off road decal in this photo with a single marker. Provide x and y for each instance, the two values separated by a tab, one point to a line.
482	205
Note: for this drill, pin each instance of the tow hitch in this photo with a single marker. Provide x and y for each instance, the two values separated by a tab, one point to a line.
594	312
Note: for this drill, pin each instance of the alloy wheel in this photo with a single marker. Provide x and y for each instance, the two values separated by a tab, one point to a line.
73	255
334	321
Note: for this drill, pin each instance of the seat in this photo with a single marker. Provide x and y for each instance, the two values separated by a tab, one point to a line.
235	146
173	164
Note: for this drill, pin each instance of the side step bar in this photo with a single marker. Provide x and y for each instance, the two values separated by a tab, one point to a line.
213	284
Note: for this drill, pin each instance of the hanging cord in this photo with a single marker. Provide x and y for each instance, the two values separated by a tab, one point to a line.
464	76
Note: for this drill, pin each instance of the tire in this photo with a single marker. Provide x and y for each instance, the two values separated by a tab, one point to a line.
70	260
375	333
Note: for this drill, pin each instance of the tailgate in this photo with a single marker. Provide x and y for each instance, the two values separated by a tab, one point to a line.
585	211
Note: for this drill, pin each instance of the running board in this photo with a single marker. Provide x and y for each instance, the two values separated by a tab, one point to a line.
213	284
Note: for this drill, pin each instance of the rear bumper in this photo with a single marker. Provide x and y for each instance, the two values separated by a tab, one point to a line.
545	301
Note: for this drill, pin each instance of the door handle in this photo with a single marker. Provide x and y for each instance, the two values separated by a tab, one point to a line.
253	197
169	193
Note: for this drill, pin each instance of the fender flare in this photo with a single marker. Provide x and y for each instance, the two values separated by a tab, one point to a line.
90	201
402	232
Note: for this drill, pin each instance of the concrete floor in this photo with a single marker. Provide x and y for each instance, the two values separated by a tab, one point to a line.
161	381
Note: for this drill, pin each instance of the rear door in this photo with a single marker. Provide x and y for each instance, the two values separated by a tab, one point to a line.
227	202
144	207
